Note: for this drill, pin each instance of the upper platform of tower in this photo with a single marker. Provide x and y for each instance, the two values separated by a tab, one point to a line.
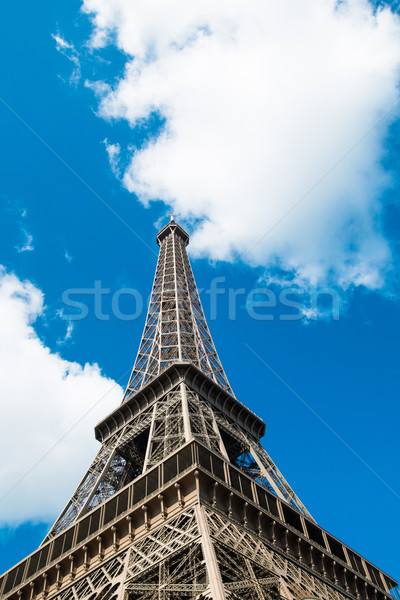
172	228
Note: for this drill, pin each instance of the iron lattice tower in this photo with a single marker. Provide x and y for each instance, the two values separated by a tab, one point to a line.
182	501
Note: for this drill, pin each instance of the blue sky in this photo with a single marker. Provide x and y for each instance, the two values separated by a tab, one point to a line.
57	233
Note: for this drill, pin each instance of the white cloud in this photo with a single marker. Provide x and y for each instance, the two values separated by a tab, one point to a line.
260	100
43	397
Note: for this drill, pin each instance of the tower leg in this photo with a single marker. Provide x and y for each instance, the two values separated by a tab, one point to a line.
214	576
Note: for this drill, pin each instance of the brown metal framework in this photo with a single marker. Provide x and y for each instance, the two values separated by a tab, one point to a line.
176	328
182	501
175	332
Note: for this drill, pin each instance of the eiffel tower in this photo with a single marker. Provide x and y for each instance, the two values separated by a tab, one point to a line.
182	501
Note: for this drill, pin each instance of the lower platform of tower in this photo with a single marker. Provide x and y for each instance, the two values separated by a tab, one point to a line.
212	533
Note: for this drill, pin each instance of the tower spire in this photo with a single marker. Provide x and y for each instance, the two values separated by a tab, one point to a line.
176	328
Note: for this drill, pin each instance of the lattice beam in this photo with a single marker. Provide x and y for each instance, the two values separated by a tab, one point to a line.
176	328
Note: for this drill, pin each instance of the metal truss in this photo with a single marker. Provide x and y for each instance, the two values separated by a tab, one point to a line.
156	433
203	425
237	543
250	456
183	574
118	461
175	327
198	554
181	559
175	330
152	436
167	429
104	583
173	537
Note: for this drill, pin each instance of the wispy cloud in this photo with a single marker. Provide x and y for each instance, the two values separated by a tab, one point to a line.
27	244
70	52
67	256
114	153
17	209
68	334
69	328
